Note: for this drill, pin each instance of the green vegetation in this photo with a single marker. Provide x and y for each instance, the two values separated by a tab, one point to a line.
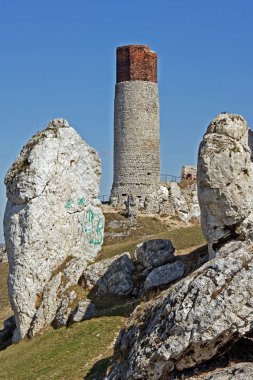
151	228
67	353
83	350
5	309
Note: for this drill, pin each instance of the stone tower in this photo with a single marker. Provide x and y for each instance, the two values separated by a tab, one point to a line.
136	125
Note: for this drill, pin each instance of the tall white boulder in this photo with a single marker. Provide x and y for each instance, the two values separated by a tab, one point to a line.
225	180
53	224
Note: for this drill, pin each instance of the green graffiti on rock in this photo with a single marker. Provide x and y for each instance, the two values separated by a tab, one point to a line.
93	227
70	203
93	224
81	202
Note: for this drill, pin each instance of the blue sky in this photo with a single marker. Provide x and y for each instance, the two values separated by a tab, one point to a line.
58	60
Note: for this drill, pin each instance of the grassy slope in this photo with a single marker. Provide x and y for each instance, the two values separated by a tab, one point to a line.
152	228
82	351
5	309
67	353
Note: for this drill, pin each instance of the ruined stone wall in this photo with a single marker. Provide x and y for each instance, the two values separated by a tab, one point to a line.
189	172
136	125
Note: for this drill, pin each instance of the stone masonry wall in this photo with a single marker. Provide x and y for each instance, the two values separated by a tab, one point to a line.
136	139
136	125
189	172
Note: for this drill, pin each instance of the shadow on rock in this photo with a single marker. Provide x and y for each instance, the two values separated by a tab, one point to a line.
116	286
98	370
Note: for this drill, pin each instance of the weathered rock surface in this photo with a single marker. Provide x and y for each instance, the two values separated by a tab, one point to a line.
240	371
153	253
111	276
183	201
225	180
53	223
191	322
169	199
172	199
164	275
84	310
64	311
3	254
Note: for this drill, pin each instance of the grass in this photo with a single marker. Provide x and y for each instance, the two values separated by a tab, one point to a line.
153	228
5	309
83	350
67	353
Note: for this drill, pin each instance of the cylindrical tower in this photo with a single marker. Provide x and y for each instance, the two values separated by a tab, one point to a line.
136	124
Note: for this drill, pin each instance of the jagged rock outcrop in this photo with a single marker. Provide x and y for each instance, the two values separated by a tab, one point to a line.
64	310
191	322
240	371
183	201
153	265
170	199
53	224
110	276
225	180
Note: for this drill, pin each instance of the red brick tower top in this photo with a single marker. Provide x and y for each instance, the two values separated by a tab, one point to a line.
136	62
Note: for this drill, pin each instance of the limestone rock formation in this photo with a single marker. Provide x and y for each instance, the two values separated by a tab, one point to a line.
84	310
153	253
53	224
111	276
225	180
164	275
191	322
240	371
64	310
169	199
183	201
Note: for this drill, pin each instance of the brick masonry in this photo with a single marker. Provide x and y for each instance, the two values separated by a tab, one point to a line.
136	62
